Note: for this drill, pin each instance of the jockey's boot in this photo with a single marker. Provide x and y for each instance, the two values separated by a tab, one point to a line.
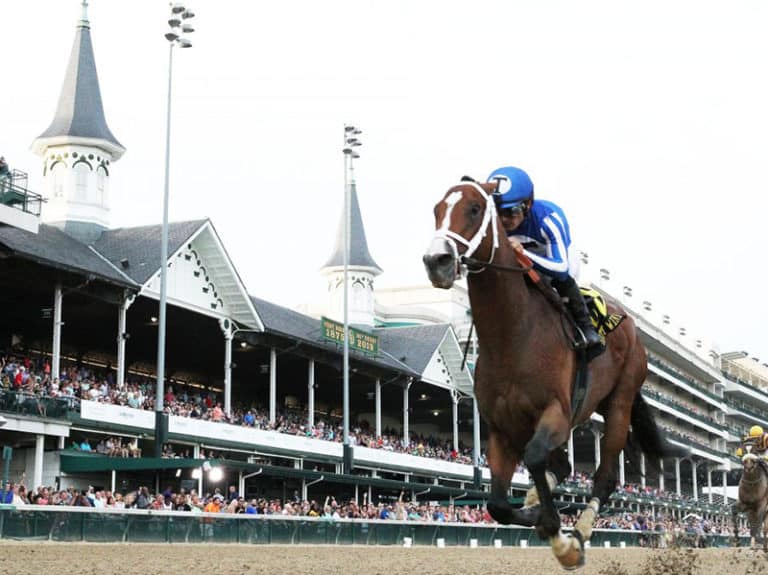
578	308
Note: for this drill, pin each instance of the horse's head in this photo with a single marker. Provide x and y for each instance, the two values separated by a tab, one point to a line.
750	462
464	216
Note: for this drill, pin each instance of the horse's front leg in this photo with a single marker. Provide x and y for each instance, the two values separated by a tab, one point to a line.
558	469
551	433
735	509
502	462
752	517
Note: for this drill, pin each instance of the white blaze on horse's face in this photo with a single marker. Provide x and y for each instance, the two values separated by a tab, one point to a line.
749	460
440	244
442	259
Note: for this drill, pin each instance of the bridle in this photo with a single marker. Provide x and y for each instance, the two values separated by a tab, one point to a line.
465	260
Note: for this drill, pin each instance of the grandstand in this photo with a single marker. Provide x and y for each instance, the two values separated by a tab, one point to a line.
254	389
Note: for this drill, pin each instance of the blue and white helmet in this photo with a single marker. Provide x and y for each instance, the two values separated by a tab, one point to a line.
513	187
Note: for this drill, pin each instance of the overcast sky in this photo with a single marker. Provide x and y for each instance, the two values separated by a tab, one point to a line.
646	121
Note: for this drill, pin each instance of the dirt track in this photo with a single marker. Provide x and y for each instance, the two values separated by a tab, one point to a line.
130	559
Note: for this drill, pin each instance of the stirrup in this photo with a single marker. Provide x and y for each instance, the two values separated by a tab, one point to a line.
582	342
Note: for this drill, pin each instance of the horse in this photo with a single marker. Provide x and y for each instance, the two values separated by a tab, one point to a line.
753	499
525	370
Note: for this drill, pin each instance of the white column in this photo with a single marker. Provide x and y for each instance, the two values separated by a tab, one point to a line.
37	480
240	484
56	359
642	470
661	473
113	481
227	367
122	335
475	432
571	452
406	431
378	408
272	385
694	465
677	475
725	487
455	401
311	394
709	484
621	468
196	454
598	435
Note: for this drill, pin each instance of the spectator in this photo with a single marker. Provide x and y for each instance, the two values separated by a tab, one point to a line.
5	173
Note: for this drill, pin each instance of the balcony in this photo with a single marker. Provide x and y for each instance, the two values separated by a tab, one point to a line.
683	377
680	407
14	193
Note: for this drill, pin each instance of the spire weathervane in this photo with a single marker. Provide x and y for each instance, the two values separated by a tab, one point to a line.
84	17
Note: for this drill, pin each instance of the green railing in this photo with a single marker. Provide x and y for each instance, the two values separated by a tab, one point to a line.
683	377
683	409
30	404
132	526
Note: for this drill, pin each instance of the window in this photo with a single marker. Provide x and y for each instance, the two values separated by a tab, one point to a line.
81	182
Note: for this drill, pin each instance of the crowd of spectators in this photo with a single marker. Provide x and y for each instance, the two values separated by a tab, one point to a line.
583	482
229	501
33	379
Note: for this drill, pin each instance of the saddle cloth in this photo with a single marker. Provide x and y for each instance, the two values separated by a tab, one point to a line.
603	322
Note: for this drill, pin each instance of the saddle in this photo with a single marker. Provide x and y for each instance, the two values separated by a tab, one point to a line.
602	321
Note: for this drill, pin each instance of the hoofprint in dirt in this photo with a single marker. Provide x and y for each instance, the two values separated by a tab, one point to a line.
44	558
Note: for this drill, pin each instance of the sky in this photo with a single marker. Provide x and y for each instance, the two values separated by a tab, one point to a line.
646	121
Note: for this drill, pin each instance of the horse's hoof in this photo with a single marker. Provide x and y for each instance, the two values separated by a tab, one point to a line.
569	551
526	516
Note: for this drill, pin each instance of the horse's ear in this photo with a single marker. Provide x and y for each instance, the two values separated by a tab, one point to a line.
468	179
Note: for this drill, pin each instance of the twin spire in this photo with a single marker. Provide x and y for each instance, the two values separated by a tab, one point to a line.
79	117
359	256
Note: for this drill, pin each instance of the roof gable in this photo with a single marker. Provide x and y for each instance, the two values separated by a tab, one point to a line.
137	250
431	350
200	275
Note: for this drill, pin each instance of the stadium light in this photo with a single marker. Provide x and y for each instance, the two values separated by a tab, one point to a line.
178	13
351	142
215	474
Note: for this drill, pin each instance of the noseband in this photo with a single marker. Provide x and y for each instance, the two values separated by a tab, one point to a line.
489	220
471	245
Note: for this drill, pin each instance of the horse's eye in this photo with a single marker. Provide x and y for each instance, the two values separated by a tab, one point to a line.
475	209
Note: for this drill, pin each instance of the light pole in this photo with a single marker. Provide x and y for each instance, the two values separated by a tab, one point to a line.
179	24
351	142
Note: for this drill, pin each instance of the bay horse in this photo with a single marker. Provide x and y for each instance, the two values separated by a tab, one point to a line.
753	499
525	370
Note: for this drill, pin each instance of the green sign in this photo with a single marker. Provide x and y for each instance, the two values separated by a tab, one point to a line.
358	339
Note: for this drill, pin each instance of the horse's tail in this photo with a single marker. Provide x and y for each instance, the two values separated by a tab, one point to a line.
647	435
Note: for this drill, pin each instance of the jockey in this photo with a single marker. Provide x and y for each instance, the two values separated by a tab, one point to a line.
758	439
542	229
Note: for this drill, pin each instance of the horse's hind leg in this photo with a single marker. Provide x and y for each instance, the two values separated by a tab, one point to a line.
604	482
502	463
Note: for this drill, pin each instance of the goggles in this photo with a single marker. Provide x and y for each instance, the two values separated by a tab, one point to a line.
512	212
